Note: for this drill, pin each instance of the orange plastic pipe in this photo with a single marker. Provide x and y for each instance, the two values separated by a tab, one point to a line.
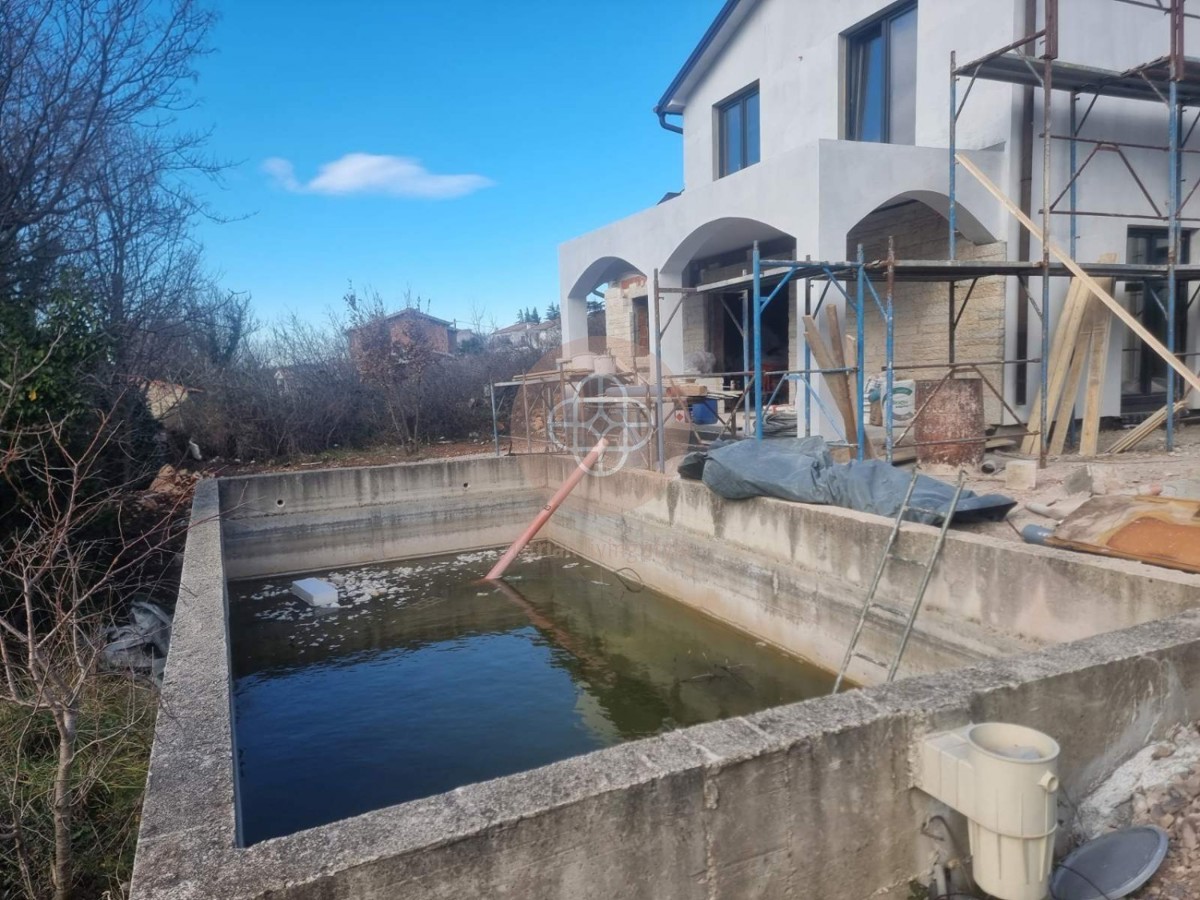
543	517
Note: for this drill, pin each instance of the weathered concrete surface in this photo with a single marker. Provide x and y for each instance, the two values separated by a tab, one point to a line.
808	800
795	574
297	521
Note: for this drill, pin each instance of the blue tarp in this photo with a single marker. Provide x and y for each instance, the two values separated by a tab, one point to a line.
802	470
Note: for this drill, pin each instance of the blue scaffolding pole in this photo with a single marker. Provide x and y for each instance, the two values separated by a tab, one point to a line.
833	274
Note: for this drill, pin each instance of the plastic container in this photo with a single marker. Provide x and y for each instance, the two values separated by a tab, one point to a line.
704	410
1004	779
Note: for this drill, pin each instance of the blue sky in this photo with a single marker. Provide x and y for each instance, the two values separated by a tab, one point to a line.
446	146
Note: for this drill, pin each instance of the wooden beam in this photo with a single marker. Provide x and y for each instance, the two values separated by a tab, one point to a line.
841	355
1189	377
1062	346
837	380
1065	414
1089	432
1132	438
1075	294
852	353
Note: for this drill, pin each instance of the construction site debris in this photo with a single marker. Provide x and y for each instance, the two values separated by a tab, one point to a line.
1162	531
1020	475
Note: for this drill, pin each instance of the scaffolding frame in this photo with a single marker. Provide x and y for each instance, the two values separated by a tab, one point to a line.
1172	80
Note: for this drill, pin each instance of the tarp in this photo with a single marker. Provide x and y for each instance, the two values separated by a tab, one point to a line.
802	470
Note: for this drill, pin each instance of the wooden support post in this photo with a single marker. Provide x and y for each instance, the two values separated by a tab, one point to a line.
1189	377
1089	432
837	381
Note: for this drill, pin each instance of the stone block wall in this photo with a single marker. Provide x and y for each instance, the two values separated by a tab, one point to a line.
922	330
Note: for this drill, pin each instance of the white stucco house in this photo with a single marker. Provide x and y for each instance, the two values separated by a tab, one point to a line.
813	127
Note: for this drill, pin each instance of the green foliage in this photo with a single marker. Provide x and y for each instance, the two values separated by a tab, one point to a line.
49	342
552	313
116	727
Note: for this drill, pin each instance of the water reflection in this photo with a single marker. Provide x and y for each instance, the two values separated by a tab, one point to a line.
426	680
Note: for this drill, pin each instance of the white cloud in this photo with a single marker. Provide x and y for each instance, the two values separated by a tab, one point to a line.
369	173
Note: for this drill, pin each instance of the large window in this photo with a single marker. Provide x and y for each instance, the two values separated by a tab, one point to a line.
881	79
737	124
1143	372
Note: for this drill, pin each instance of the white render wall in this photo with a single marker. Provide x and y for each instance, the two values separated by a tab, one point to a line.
815	187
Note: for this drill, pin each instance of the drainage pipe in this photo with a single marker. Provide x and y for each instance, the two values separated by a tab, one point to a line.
543	517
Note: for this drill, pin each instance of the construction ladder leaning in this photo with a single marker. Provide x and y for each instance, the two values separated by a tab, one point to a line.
909	617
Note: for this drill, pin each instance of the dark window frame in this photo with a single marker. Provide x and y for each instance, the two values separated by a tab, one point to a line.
738	100
1149	244
855	39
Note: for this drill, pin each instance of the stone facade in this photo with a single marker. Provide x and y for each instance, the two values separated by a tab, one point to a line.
620	319
922	330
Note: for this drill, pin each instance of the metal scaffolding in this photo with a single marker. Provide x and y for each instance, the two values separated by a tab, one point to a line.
1172	80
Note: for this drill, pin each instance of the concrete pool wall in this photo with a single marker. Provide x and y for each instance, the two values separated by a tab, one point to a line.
811	799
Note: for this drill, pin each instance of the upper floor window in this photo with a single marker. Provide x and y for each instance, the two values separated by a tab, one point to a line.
737	125
881	78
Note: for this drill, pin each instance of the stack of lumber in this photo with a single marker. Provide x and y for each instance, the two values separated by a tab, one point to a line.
1079	347
833	355
1135	436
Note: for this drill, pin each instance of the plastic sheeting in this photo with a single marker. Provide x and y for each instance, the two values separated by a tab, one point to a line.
802	470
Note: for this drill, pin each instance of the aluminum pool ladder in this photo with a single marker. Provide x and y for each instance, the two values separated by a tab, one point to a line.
909	616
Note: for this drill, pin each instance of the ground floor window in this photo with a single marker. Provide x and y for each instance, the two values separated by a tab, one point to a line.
1144	372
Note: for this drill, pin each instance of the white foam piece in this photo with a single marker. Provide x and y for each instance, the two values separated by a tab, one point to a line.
315	592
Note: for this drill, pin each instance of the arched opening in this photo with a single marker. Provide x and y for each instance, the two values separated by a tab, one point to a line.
932	316
718	325
606	310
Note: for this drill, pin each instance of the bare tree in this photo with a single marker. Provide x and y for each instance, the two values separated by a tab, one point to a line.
59	566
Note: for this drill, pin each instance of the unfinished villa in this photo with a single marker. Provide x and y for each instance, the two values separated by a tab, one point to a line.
847	547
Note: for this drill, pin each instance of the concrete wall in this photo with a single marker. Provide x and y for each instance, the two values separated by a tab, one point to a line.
808	800
795	575
274	524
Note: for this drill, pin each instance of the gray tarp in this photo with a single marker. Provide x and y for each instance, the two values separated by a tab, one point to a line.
801	469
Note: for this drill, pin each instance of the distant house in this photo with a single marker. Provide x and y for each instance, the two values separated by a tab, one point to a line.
527	334
411	326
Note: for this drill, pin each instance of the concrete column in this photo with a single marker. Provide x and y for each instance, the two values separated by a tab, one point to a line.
574	325
672	341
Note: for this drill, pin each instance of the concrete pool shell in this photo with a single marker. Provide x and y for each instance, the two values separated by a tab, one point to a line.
810	799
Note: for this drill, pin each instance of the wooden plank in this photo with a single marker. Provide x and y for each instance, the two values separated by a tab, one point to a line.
1147	428
837	380
1189	377
869	451
1065	413
1032	442
1089	432
1094	318
842	353
1062	348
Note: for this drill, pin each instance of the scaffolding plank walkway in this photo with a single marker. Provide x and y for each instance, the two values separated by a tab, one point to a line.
909	617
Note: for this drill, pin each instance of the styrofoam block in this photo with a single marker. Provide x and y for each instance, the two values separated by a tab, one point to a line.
315	592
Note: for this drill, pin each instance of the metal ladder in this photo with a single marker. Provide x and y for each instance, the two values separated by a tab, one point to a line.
909	617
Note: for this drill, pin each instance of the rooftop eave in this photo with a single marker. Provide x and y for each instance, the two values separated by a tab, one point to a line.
723	27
